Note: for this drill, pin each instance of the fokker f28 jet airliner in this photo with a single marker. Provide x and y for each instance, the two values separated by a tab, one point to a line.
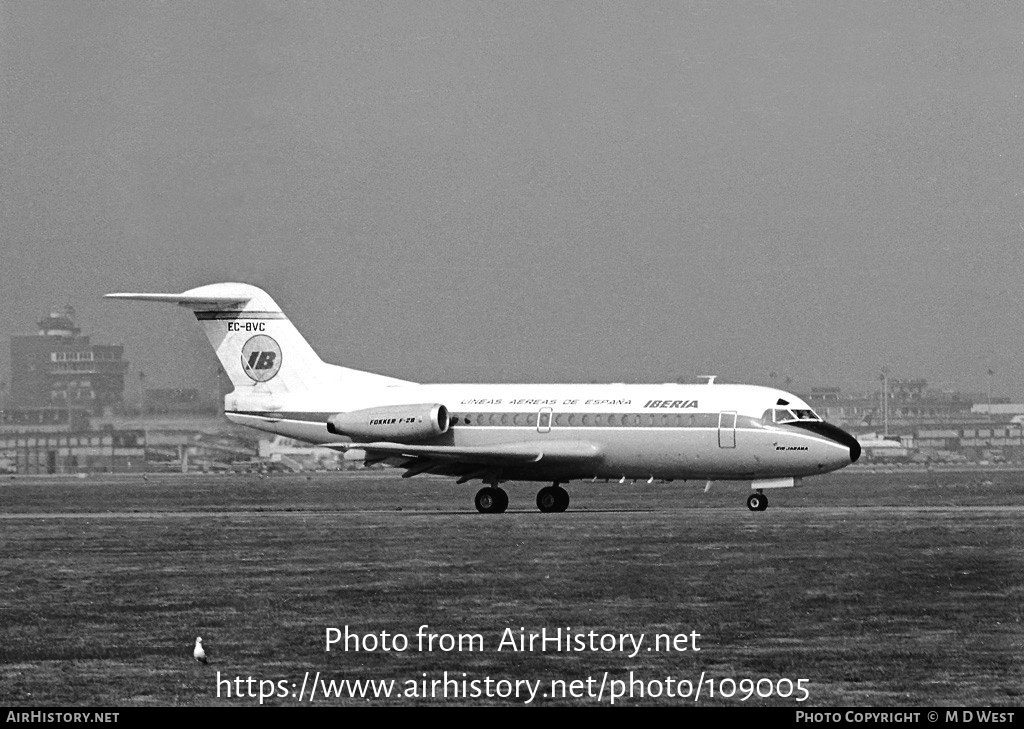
514	432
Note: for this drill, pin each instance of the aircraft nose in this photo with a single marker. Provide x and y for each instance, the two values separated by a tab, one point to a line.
853	443
833	433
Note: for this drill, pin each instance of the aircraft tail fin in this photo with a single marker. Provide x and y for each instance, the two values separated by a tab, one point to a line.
258	346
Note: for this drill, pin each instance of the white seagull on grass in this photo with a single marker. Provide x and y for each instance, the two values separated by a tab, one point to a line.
199	654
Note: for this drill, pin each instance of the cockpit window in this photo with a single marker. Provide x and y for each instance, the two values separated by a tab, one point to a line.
784	415
806	415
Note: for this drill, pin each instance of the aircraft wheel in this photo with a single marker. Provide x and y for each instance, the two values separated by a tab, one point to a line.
490	500
548	501
562	497
757	502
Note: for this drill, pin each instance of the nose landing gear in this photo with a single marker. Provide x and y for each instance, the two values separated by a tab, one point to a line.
757	502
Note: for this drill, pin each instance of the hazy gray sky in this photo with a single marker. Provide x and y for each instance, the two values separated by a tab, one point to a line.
447	191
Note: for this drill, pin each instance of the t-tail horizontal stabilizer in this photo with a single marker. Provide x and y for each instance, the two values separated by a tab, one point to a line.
191	301
262	352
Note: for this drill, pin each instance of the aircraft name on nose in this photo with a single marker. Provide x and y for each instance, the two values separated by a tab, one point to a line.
671	404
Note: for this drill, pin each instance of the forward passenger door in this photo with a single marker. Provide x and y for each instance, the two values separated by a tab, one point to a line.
727	429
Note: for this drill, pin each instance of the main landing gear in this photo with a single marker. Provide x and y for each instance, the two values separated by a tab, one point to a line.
552	498
757	502
491	500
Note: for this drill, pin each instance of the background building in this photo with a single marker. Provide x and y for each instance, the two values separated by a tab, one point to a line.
73	452
59	367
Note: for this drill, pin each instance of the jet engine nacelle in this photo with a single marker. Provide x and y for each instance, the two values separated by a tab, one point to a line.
393	422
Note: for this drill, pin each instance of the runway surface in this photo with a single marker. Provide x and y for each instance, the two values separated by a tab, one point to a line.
306	513
876	589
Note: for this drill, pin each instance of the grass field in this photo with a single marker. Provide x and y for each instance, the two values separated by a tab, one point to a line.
893	589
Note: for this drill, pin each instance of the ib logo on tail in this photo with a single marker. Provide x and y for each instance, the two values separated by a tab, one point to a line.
261	358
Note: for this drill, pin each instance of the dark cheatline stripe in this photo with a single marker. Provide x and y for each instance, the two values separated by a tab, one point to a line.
207	315
703	420
576	419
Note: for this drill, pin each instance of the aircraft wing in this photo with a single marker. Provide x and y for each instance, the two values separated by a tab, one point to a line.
453	459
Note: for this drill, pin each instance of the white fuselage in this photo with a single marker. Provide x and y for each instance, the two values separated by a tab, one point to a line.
665	432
